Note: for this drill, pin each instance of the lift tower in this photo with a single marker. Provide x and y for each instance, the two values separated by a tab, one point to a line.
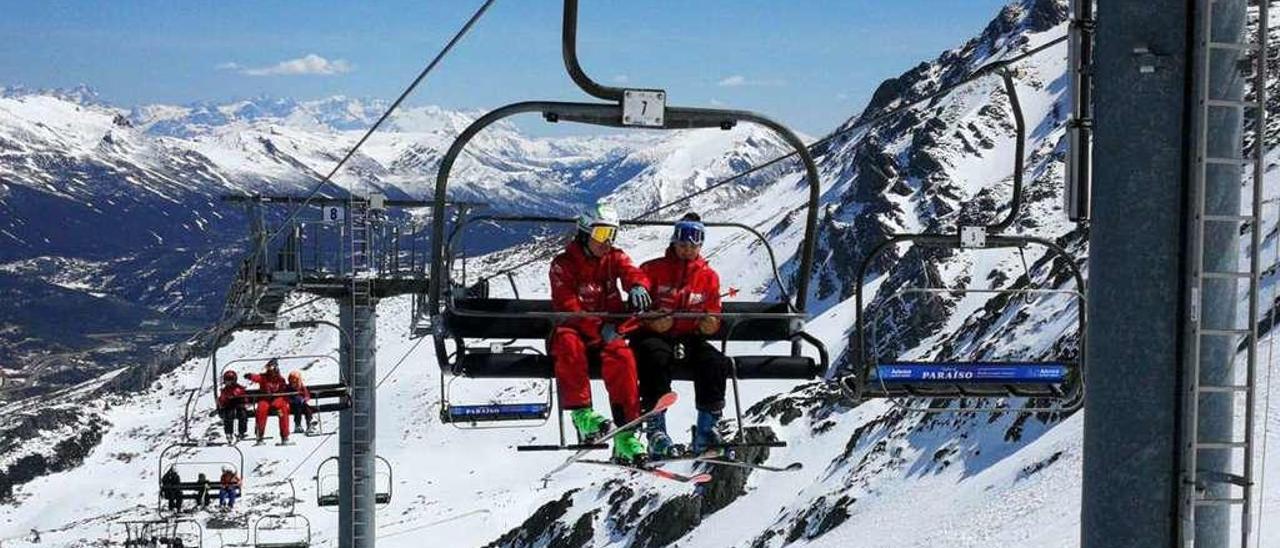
1180	89
357	251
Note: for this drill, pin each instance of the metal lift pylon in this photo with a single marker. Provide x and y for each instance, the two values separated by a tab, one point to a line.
1217	441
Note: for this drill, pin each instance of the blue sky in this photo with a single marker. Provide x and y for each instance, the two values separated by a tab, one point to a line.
809	63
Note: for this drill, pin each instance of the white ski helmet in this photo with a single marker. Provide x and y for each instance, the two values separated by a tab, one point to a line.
599	222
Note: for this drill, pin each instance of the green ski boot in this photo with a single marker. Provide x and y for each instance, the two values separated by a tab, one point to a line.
628	449
589	424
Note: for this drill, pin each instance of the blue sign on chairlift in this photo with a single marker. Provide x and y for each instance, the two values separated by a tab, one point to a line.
972	372
531	410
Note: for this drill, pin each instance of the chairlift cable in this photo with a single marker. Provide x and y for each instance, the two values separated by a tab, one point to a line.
327	438
434	523
1266	406
385	115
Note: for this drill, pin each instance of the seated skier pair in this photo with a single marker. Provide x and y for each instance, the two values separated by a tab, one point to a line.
285	396
585	277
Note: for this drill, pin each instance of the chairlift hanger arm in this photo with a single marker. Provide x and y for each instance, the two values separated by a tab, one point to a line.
1019	160
569	50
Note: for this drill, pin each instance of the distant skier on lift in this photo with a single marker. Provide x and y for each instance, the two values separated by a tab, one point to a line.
298	402
271	383
682	282
231	407
585	278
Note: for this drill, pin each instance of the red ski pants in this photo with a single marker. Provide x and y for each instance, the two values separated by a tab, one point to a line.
281	405
617	367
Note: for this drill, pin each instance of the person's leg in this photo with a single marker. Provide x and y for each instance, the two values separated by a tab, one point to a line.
711	370
260	419
618	367
242	420
309	412
570	355
654	355
282	408
227	414
296	404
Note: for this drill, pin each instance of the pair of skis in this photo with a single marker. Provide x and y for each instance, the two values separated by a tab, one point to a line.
666	401
654	467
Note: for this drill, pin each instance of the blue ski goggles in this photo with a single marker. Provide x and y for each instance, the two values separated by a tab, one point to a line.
690	232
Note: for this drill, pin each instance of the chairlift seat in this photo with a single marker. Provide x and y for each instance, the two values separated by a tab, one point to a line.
332	500
290	544
319	391
515	326
513	365
976	379
190	490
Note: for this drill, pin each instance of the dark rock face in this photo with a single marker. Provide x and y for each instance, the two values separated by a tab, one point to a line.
67	453
634	512
542	528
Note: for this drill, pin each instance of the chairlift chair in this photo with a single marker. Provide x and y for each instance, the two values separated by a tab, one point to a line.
1058	381
169	533
455	316
327	491
289	531
335	396
212	468
327	397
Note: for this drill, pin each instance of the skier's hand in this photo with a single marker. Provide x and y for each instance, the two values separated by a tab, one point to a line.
639	298
608	332
661	324
708	324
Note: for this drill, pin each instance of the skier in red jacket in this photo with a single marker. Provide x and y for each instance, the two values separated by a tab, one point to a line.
231	406
683	282
585	278
271	382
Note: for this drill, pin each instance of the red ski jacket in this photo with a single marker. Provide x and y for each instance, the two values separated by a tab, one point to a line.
581	283
229	479
683	286
230	395
269	383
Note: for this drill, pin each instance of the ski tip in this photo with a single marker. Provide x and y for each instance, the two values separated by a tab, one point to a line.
795	466
667	400
700	478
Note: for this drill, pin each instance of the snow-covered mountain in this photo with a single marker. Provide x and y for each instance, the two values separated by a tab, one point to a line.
105	209
873	475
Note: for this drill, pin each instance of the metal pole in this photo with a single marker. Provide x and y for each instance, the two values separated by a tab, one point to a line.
1135	291
357	462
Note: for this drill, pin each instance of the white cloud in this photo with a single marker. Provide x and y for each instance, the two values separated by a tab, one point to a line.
621	79
716	103
309	64
733	81
738	80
